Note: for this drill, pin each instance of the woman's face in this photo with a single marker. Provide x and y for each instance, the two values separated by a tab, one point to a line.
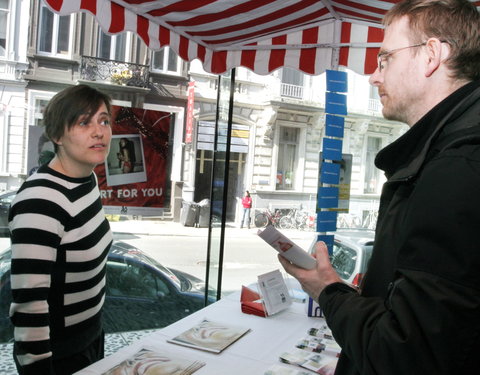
86	143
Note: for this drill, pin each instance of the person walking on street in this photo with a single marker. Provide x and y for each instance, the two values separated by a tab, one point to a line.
247	205
60	242
417	310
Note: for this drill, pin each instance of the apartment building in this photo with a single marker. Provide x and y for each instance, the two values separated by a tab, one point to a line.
278	119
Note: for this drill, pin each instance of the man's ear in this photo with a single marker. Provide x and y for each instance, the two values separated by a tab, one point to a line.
437	53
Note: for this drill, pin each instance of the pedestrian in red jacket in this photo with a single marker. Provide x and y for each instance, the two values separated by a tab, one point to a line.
247	205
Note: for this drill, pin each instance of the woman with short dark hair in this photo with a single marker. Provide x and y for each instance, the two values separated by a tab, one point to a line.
60	241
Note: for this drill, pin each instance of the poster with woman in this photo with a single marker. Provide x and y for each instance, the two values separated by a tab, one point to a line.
133	179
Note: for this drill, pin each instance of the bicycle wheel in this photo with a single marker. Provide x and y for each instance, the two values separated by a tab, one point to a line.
286	222
261	220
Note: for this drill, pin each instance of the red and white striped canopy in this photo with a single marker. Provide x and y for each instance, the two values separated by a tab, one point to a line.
262	35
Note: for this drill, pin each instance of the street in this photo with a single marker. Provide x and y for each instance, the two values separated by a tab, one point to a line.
185	248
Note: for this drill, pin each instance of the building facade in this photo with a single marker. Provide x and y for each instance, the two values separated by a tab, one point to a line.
282	117
278	119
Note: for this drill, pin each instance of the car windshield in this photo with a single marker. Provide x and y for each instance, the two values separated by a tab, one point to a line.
343	260
134	253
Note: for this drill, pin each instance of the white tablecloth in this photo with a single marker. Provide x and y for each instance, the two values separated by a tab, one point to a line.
252	354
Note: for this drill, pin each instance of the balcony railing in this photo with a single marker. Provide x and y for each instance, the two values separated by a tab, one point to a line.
291	91
114	72
374	105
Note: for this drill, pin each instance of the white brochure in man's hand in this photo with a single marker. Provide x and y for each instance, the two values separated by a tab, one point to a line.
287	248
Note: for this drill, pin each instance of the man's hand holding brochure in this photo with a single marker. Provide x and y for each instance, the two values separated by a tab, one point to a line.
287	248
313	273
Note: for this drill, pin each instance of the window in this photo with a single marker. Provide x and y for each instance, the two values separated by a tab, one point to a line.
4	7
54	33
287	158
292	83
131	281
38	100
166	61
374	103
344	260
372	174
112	47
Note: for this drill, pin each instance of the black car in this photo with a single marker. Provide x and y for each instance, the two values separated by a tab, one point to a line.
140	292
6	199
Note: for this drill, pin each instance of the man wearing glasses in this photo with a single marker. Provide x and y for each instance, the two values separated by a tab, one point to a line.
418	309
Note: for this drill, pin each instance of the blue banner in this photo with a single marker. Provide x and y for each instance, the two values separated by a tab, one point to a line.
332	149
328	197
328	239
329	173
327	221
336	103
334	126
337	81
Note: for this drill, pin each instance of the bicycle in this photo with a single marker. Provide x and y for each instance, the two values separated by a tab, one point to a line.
297	219
267	217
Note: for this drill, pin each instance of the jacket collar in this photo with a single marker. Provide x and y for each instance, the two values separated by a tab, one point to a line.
404	157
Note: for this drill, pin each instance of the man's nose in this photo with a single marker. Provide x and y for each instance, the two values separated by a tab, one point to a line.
374	79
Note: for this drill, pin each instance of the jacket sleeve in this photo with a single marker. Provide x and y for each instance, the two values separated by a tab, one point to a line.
428	324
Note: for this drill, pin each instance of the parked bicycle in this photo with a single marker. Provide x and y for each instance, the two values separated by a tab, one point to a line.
286	219
298	219
267	217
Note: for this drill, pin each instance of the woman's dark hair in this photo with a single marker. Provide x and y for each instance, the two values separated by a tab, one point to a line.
66	107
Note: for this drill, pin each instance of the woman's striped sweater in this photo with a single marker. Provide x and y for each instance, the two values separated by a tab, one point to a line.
60	241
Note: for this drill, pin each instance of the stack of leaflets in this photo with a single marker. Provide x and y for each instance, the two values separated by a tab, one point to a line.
150	361
210	336
279	370
321	363
317	352
318	345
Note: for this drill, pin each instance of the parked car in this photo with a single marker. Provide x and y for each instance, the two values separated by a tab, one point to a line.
140	292
352	250
6	199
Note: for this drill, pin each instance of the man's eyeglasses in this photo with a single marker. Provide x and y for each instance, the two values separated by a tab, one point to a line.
383	56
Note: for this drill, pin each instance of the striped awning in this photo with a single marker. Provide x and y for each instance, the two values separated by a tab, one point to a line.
262	35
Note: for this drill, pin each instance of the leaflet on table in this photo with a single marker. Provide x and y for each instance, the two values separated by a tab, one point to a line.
287	248
148	360
210	336
274	292
317	345
321	363
279	370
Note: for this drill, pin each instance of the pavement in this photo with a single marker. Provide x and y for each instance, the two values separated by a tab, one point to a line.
170	228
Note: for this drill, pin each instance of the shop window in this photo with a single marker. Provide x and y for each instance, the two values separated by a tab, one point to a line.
4	13
166	61
287	158
54	33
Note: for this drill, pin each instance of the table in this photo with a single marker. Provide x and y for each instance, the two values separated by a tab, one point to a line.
252	354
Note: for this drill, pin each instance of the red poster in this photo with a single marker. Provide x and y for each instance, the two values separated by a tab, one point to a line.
133	178
190	107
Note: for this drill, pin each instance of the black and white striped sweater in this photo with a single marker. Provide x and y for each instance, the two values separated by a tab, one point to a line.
60	241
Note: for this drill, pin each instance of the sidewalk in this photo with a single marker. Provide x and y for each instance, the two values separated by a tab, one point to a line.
170	228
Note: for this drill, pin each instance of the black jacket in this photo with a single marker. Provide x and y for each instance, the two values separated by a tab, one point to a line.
419	309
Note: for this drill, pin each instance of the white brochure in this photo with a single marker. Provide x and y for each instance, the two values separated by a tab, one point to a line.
287	248
274	292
